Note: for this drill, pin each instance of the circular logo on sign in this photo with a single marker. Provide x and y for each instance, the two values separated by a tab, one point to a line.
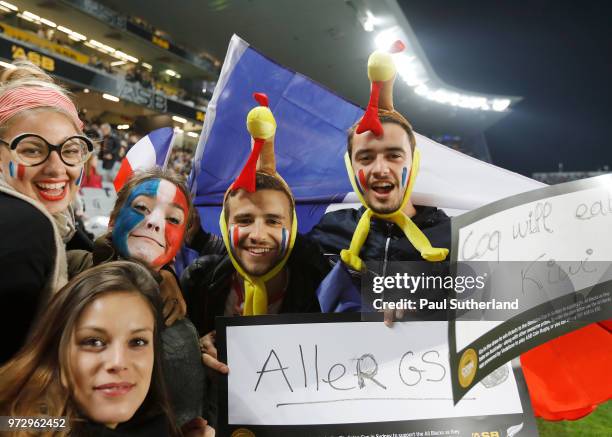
243	432
467	367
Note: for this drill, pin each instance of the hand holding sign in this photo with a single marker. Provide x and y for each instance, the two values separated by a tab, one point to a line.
209	353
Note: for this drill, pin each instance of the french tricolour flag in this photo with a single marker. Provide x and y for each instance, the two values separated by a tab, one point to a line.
153	150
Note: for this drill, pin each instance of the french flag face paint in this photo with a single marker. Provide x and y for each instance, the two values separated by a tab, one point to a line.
404	177
282	248
16	170
80	178
360	178
151	224
234	235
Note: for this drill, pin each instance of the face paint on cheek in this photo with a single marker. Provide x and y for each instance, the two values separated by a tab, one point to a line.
404	177
284	242
173	233
80	178
20	170
360	179
128	218
234	236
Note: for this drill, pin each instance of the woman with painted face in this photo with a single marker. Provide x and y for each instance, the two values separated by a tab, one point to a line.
94	358
42	152
149	221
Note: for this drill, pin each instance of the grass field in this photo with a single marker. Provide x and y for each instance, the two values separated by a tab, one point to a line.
596	424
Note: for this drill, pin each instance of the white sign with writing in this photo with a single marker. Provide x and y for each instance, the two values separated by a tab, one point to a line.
560	242
356	372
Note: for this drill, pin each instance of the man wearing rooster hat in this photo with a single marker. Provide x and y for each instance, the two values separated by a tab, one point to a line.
382	162
268	268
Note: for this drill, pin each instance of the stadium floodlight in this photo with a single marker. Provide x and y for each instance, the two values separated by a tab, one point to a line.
9	6
123	126
124	56
29	16
387	37
102	47
64	29
118	63
47	22
170	72
178	130
147	66
500	104
192	134
368	21
110	97
86	90
78	36
179	119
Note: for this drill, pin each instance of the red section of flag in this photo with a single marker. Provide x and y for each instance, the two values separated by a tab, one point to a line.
125	171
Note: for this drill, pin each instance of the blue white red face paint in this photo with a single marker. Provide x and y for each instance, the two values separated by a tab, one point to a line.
234	234
80	178
404	177
16	170
151	224
282	249
360	178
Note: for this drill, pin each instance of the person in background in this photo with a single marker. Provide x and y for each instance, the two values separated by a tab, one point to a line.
109	152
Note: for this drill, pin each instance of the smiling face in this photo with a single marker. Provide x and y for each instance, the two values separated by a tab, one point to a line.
382	167
52	183
111	357
151	224
259	224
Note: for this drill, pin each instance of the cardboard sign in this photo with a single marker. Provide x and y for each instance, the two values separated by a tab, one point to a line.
333	375
547	255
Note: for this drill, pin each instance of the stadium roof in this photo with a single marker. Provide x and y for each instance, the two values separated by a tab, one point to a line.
326	41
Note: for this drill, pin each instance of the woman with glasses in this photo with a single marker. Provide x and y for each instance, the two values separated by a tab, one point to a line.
42	152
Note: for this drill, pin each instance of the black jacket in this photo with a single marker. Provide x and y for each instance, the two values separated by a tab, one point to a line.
27	256
206	284
386	241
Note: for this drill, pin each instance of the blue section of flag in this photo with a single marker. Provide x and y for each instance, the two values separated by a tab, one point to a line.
310	139
337	293
161	140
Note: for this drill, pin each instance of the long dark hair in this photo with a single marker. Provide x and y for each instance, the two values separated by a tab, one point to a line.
31	383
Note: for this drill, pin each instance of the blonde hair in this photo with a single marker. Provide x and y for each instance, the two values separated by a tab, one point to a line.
25	74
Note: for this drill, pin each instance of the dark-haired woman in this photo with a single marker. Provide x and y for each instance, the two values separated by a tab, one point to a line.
94	356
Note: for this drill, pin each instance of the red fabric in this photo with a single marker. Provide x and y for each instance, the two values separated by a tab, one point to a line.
607	324
570	375
370	121
92	180
246	179
124	173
